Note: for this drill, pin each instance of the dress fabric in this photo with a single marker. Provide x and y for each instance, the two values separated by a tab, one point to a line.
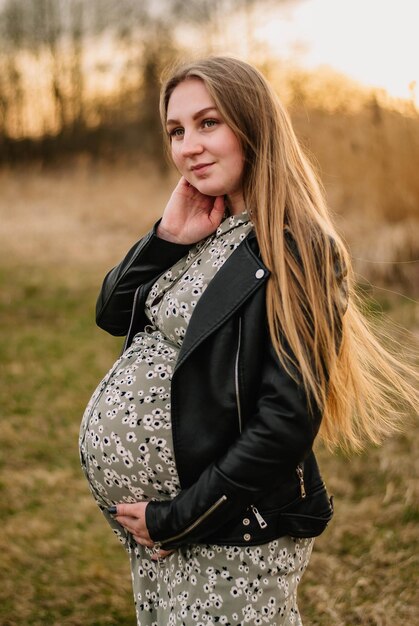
126	451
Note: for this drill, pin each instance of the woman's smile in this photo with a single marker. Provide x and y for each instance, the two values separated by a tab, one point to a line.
201	169
204	148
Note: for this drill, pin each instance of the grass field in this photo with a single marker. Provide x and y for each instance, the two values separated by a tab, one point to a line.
60	564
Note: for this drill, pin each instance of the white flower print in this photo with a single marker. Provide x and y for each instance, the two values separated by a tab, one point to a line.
127	454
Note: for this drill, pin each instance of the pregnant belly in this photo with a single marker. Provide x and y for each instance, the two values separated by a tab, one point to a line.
126	445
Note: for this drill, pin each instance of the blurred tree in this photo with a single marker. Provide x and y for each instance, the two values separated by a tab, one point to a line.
58	37
11	94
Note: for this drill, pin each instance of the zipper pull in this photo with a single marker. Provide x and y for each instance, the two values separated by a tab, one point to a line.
300	475
258	516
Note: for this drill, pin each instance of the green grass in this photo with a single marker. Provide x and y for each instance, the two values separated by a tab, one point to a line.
60	564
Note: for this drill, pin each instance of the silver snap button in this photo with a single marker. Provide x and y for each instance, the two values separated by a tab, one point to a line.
260	273
247	537
246	521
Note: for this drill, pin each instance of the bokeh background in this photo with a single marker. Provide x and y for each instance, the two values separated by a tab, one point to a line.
82	176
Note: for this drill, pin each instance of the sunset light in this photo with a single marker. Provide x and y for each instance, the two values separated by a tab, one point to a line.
373	41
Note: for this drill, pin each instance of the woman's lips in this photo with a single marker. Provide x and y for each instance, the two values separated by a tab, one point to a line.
201	168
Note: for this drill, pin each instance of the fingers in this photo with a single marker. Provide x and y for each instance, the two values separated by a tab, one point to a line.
218	209
161	554
132	518
148	543
184	186
219	204
128	510
134	525
129	521
184	183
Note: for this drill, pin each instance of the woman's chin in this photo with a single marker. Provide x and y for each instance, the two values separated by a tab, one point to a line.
209	189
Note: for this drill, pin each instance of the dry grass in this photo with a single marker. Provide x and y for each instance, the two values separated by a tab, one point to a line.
65	217
60	231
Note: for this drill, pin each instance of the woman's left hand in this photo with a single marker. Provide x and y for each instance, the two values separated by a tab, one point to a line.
132	517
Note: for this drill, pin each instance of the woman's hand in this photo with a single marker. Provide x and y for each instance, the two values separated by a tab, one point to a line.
190	215
132	518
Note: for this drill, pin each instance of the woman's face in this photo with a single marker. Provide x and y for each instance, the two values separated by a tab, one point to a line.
204	149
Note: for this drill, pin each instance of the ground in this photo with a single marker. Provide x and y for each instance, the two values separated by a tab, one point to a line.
60	564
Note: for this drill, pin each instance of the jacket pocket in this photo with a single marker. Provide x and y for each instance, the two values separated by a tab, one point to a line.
308	516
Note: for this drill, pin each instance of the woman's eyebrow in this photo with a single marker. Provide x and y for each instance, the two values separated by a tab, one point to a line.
194	116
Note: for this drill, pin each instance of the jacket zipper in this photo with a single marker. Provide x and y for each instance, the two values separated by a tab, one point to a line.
192	526
256	513
136	298
258	516
300	475
236	375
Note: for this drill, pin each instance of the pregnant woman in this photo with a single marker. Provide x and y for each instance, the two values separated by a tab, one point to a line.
243	342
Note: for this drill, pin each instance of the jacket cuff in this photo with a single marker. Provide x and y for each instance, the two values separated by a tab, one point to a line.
145	261
196	512
166	247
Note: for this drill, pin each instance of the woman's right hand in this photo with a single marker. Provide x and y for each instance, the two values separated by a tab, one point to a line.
190	215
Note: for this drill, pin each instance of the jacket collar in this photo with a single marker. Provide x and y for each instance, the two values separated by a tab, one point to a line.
241	275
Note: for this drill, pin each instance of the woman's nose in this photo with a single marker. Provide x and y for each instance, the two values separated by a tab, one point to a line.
191	145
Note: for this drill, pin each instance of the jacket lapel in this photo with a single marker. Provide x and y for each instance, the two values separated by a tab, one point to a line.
237	279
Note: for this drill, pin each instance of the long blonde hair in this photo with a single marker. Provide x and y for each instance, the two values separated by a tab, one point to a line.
313	312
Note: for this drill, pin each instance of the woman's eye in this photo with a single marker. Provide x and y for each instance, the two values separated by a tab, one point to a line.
176	132
209	123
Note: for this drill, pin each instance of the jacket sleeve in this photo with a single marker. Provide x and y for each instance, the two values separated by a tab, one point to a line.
146	260
274	440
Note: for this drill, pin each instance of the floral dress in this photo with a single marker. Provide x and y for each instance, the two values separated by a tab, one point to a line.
126	451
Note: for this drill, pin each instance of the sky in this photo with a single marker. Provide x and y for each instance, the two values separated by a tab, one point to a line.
376	42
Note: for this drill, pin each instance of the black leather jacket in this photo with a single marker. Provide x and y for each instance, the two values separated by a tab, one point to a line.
242	432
